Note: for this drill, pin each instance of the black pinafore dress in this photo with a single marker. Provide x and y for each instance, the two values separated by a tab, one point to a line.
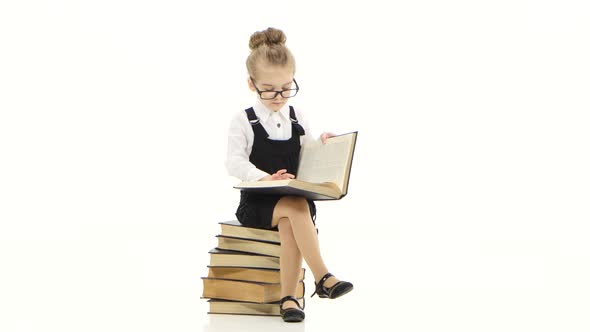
255	210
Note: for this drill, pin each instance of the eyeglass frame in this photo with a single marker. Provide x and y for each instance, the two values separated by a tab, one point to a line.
276	92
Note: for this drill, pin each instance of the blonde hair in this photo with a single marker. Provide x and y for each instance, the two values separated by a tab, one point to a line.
268	47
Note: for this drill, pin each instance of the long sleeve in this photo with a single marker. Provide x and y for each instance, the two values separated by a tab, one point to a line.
238	150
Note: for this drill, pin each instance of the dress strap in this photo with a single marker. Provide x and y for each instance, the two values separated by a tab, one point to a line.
254	120
295	122
255	123
292	115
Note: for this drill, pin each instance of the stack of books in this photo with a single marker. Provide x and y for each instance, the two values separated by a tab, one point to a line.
244	275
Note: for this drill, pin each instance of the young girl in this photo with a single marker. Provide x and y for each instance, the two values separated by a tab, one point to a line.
264	143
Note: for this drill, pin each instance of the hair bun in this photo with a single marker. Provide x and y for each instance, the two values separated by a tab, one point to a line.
269	37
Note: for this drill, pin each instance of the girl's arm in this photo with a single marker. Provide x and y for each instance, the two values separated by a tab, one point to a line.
239	146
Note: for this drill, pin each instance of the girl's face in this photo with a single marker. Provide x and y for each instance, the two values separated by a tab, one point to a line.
272	78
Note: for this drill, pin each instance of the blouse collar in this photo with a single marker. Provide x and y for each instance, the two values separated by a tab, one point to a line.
264	113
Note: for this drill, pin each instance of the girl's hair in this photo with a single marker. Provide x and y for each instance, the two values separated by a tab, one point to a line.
268	47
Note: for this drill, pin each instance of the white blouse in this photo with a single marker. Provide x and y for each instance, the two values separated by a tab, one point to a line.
241	138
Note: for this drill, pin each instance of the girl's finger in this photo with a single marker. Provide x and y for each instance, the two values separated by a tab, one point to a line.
325	136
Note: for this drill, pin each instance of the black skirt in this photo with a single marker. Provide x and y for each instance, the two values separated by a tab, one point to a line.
256	210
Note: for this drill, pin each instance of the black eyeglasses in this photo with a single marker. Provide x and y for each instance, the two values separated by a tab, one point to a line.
271	94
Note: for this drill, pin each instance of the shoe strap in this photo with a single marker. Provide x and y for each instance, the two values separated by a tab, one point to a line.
324	278
320	283
289	298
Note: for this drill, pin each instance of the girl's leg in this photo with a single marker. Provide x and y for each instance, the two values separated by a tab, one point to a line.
290	262
295	210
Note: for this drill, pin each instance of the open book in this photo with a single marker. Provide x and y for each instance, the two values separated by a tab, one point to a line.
323	174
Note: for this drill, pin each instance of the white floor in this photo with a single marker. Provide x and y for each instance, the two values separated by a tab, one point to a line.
411	274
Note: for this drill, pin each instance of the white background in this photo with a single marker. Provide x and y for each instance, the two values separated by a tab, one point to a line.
469	196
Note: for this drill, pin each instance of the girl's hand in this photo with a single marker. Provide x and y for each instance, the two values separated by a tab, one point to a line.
279	175
325	136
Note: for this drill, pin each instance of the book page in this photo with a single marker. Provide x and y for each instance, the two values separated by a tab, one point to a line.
325	162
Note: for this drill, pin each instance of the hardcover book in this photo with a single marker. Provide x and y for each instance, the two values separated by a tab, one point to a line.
250	246
246	291
230	258
249	274
323	173
233	228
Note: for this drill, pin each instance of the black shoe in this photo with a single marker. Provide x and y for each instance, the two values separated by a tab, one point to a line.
291	314
338	289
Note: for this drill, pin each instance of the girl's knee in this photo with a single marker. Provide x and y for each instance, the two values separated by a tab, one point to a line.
290	208
284	225
295	203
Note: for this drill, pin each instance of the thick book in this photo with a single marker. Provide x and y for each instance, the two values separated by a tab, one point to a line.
227	307
249	274
246	291
235	229
230	258
323	173
251	246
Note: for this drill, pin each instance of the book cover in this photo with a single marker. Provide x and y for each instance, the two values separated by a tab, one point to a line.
231	258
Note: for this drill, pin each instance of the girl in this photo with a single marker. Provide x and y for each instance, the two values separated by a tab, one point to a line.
264	143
